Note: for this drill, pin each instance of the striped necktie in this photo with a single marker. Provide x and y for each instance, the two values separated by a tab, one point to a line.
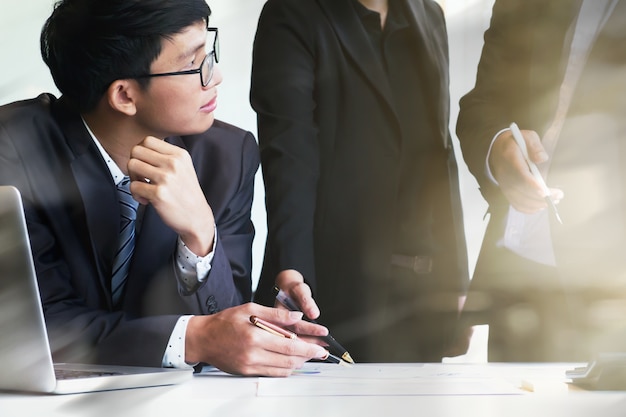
126	240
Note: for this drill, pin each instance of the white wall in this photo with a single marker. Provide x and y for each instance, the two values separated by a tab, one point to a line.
23	74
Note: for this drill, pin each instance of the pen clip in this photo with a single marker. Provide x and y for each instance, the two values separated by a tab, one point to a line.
272	328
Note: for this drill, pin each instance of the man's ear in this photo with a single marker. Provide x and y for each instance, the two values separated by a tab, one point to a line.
121	96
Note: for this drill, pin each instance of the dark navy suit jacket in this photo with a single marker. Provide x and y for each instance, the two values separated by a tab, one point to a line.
73	217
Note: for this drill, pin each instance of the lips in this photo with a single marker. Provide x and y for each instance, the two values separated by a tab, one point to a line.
210	106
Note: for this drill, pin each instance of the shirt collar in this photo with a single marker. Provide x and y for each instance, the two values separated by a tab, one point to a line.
114	170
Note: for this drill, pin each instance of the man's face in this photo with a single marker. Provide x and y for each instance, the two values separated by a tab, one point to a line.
179	105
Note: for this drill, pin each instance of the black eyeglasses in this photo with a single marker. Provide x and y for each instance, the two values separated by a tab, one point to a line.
206	66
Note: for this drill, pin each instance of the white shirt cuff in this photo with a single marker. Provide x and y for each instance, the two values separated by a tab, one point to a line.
487	167
191	268
174	356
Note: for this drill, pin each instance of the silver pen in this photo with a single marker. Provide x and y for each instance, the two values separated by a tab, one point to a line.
517	135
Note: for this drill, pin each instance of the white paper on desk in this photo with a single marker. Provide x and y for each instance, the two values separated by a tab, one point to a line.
370	379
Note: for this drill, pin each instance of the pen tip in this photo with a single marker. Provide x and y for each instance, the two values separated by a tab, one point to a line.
346	357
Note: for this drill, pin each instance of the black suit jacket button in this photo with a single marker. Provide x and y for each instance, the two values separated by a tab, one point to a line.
211	304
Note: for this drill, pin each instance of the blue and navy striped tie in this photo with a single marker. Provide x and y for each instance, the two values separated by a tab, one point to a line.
126	245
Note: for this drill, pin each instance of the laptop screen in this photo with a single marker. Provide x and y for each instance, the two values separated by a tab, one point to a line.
24	349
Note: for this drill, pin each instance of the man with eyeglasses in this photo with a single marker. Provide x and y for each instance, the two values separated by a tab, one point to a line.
157	274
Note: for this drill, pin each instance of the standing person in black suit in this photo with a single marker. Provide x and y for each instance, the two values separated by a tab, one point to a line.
139	90
550	291
360	175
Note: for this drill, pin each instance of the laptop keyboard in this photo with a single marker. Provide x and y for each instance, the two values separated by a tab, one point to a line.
74	373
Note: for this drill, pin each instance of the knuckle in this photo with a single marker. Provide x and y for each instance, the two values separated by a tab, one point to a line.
291	349
245	364
252	337
276	314
289	362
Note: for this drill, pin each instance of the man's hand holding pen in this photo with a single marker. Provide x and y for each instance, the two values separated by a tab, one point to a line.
280	332
510	169
228	341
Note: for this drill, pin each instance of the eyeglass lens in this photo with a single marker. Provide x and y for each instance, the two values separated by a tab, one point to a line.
206	70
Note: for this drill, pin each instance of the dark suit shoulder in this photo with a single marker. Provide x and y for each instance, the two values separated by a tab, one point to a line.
431	5
224	129
19	113
223	151
291	4
299	12
221	136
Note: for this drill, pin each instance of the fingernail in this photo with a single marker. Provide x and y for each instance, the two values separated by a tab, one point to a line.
323	355
542	157
295	315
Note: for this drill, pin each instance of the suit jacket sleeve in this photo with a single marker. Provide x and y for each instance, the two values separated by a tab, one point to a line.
282	87
492	104
230	274
518	70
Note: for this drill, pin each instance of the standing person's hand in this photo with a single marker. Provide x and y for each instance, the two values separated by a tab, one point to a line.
292	283
510	170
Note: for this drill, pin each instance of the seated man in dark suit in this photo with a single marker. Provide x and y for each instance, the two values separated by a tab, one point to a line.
165	282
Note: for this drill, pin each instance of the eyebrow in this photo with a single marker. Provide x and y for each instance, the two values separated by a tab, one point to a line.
191	51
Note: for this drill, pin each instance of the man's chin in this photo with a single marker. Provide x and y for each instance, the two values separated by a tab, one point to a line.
197	128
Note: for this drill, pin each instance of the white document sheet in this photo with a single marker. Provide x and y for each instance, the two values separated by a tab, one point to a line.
324	379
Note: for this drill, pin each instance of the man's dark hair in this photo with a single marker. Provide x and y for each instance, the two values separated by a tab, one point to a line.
88	44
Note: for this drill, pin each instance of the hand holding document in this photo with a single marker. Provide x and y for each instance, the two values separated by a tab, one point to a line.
519	139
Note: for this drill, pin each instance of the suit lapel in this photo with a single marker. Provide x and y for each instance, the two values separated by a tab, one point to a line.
101	210
354	39
96	191
434	69
613	28
430	42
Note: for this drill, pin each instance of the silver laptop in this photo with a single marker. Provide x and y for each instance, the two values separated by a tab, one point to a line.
24	348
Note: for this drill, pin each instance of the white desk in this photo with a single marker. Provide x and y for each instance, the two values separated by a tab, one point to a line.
219	395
